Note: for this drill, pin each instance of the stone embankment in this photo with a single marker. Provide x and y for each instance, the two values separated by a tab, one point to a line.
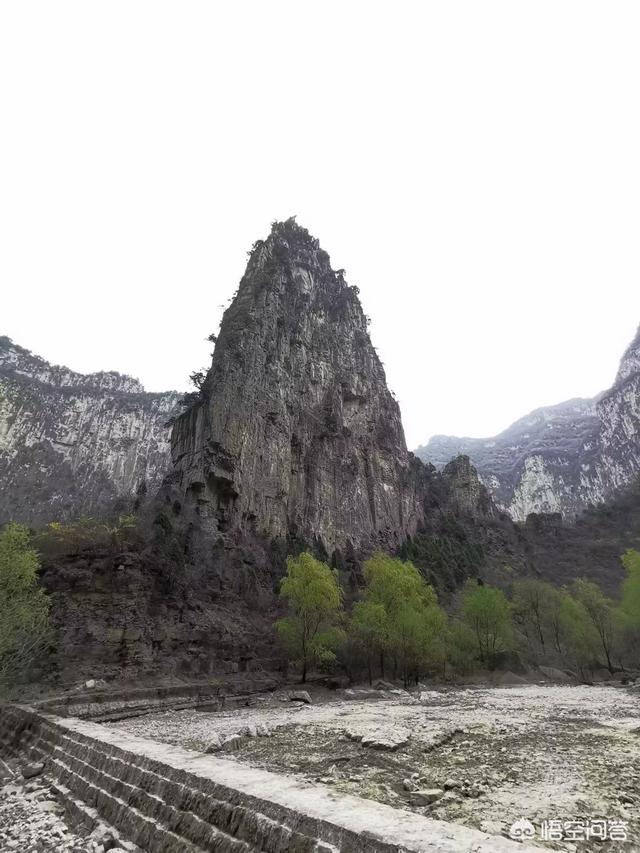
166	799
98	703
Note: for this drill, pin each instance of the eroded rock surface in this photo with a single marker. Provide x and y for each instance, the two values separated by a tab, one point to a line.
72	444
559	459
296	433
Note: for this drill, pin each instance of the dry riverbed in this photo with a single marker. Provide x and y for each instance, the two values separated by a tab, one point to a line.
483	757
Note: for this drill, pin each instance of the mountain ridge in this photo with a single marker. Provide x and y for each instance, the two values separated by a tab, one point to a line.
75	444
560	458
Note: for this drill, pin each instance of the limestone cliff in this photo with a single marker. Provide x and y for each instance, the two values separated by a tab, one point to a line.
295	442
296	433
73	444
563	458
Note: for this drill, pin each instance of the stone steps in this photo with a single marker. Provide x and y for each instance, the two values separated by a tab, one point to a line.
135	799
104	705
167	799
191	813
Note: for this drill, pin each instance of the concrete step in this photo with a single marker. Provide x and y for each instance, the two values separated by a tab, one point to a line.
152	810
168	799
191	809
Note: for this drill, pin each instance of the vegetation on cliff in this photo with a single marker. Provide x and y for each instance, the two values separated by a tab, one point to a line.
24	607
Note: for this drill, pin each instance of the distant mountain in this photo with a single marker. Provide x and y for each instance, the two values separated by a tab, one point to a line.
74	444
559	458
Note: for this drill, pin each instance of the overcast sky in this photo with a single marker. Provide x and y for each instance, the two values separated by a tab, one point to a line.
474	166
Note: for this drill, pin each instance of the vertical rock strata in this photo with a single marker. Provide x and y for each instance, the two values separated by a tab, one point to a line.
74	444
296	433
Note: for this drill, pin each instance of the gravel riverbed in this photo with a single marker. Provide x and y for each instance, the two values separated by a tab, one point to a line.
484	756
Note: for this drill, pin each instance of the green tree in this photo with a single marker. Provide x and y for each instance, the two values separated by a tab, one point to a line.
311	631
461	648
602	614
487	612
529	609
24	606
630	604
412	628
368	627
580	639
554	617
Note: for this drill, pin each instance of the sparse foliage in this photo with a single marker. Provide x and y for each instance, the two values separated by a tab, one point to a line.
487	613
76	536
24	607
602	615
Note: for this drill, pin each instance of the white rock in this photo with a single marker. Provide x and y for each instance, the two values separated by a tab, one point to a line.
300	696
214	744
427	795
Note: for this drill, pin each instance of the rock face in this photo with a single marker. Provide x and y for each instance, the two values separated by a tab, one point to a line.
296	433
72	444
295	441
559	459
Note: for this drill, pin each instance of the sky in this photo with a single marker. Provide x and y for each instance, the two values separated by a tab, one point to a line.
474	167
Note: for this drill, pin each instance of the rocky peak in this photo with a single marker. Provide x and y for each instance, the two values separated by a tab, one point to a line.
630	362
296	432
468	495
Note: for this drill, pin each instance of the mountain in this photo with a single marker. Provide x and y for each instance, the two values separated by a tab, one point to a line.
563	458
296	433
294	442
75	445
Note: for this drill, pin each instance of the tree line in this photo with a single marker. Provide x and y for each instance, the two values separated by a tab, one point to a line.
397	628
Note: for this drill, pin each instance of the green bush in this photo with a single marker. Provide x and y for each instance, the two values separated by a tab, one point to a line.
24	607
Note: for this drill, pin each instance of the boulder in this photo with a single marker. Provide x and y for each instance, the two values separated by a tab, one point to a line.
335	682
214	744
232	742
300	696
381	684
30	770
492	827
509	678
426	796
390	740
557	675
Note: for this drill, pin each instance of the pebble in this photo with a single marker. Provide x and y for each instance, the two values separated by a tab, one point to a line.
427	795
